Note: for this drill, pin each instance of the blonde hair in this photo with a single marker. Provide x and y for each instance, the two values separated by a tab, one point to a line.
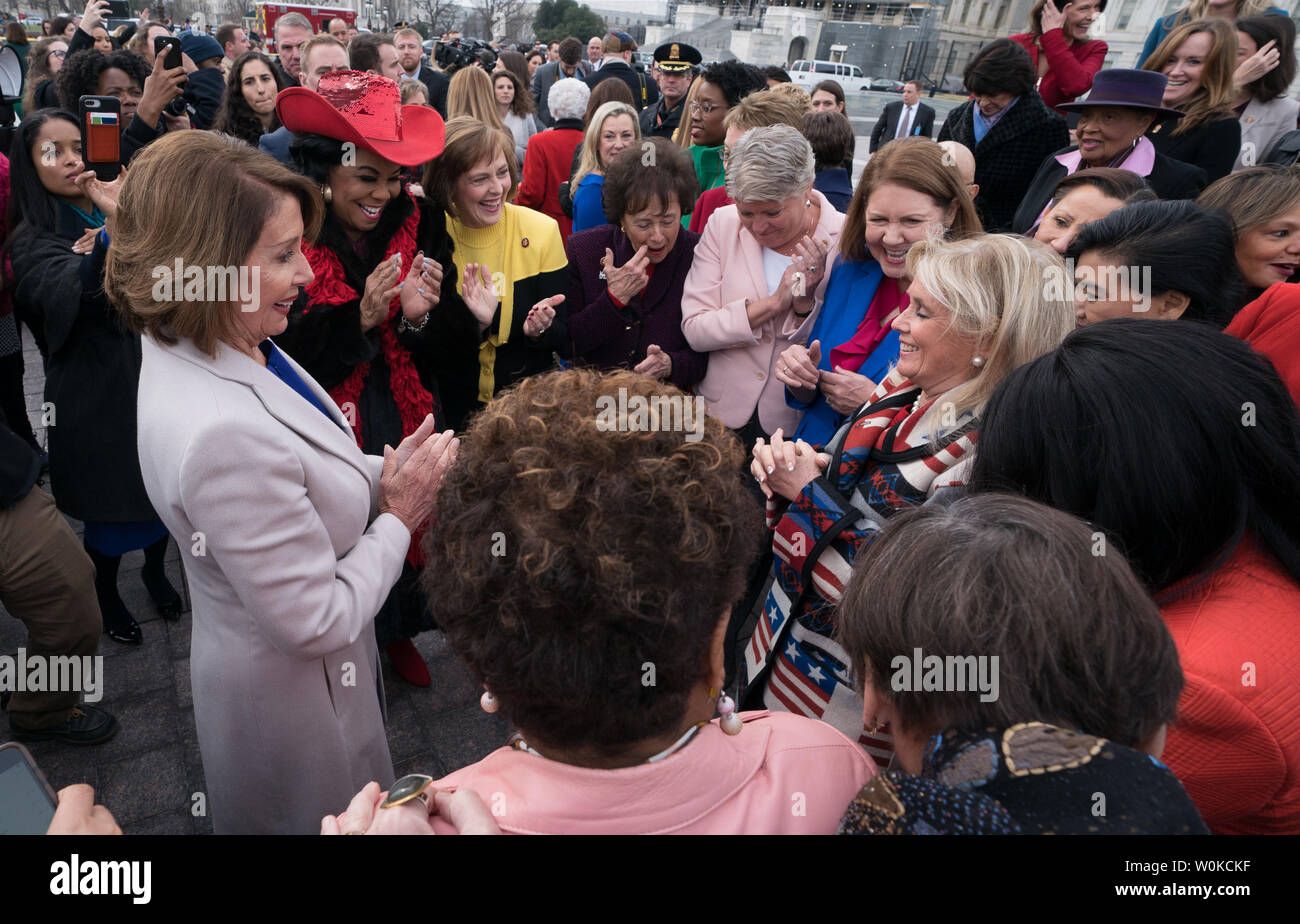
235	185
1213	99
470	94
768	107
318	41
1008	292
468	142
792	91
590	160
682	133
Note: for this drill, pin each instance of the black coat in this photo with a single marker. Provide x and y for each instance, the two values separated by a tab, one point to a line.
671	118
284	75
1171	179
887	124
203	94
1006	159
645	91
91	375
1212	146
436	83
547	76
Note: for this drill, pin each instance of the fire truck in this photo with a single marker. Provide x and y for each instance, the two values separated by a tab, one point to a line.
268	13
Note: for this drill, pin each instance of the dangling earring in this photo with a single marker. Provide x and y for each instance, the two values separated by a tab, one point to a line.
488	702
327	194
977	361
875	727
731	724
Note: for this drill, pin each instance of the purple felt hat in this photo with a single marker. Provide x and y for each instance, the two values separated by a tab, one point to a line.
1131	89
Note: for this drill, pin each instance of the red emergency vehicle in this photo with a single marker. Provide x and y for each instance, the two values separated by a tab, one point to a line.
268	13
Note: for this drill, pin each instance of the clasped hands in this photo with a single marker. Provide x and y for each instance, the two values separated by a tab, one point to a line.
416	300
797	286
413	473
786	467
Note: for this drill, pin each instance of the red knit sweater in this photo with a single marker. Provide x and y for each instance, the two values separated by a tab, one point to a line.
1236	742
1070	68
1271	324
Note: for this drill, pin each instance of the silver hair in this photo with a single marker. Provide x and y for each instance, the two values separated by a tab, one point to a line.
769	164
567	98
296	20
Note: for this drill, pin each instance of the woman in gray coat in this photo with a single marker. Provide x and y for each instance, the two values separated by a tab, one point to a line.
291	537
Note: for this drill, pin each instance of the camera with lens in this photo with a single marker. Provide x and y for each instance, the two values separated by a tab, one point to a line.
452	56
176	107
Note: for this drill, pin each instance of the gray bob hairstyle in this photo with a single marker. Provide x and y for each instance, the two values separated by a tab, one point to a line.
769	164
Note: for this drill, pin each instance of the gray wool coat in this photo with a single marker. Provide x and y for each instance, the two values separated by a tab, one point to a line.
288	560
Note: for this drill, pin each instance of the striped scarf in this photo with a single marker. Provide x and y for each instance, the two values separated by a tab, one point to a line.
885	459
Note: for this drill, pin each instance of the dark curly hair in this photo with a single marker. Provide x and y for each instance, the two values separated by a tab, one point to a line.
80	74
734	80
522	105
235	116
571	554
631	185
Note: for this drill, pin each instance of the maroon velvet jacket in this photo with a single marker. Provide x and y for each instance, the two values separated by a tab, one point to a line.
610	337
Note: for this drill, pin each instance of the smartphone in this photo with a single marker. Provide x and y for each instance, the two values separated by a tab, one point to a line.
119	9
27	801
100	118
173	46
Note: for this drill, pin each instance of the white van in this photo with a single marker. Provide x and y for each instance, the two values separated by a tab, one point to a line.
808	74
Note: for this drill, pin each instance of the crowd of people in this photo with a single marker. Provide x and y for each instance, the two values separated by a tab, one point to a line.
940	429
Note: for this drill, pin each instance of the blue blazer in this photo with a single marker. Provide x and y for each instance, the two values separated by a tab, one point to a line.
589	203
849	292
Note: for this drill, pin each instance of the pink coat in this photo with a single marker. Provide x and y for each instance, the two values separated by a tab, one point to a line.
783	774
728	269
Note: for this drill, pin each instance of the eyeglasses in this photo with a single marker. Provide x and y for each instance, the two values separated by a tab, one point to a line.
58	54
411	786
705	108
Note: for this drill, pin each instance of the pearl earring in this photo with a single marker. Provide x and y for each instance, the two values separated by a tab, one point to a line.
977	361
731	724
488	702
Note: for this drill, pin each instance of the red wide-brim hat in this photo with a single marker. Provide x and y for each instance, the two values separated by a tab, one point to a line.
367	110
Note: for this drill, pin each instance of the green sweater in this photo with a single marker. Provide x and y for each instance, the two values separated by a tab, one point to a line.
708	165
